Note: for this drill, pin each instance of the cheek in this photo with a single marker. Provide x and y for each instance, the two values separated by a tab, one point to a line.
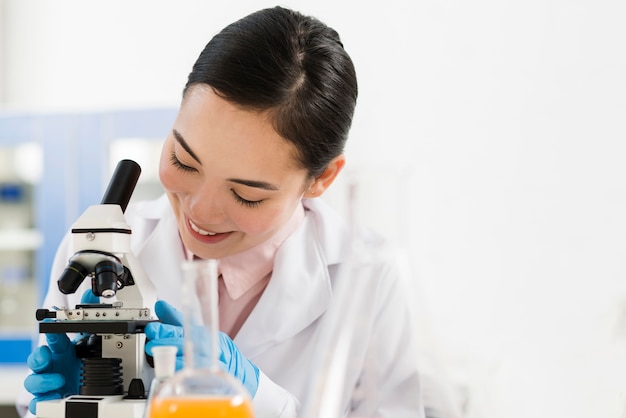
260	223
169	176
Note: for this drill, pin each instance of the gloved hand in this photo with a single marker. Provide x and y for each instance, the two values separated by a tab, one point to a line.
170	332
56	369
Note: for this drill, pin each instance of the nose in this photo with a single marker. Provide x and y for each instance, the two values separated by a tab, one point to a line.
205	207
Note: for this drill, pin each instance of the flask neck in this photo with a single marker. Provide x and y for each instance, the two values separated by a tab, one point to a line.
201	317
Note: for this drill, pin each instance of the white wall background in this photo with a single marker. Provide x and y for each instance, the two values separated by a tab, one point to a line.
513	117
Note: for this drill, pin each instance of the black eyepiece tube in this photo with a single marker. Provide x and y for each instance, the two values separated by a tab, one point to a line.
122	184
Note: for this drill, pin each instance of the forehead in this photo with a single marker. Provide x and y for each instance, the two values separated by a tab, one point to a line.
218	129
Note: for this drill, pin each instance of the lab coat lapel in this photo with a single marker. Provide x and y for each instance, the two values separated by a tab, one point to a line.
162	240
299	291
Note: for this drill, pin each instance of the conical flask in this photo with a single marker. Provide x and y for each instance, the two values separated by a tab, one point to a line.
202	388
164	357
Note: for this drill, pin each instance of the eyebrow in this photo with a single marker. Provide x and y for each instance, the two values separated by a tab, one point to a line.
185	145
254	183
250	183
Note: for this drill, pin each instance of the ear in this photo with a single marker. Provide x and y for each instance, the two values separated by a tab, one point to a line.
319	185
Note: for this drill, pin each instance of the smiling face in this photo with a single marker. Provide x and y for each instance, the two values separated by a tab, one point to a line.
232	181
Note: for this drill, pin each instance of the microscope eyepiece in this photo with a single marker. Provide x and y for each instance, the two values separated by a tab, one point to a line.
72	277
122	184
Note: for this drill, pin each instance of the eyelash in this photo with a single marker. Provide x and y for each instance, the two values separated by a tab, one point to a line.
182	167
244	202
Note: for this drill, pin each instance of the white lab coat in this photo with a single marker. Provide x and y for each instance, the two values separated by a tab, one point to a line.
283	332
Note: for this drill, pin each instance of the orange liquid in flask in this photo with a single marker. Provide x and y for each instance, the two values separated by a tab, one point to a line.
188	407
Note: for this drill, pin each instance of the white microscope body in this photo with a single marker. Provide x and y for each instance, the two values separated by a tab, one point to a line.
114	374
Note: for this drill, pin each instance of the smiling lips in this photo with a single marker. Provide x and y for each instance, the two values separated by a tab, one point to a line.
200	231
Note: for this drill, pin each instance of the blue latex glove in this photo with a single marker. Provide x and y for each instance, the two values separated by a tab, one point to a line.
170	332
56	369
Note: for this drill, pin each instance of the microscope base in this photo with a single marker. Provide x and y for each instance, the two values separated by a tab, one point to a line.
80	406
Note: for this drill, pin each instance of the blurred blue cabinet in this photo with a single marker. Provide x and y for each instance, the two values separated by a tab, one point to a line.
75	172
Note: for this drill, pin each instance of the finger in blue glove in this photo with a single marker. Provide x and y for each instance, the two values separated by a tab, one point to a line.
158	334
238	365
89	297
168	314
55	366
167	332
39	384
170	332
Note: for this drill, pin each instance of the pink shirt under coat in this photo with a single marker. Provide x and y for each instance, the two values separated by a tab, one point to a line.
244	276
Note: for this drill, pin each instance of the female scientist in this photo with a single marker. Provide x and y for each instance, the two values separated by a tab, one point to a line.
260	133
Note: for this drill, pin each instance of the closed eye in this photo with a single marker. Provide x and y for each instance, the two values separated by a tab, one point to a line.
182	167
246	202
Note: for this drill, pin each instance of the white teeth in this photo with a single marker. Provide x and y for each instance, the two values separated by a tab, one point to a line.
200	231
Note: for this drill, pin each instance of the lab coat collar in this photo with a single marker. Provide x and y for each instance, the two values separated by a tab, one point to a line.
154	209
299	291
160	236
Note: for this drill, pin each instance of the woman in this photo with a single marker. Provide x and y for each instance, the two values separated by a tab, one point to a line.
260	133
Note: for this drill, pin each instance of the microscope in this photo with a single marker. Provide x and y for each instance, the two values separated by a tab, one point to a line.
114	378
